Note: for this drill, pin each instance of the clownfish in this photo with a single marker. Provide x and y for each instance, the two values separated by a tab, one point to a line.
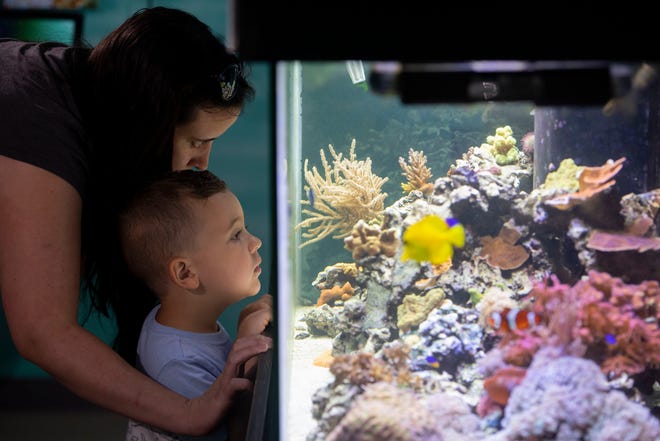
432	239
509	320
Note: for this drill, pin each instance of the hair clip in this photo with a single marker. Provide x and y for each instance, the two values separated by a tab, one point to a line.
228	80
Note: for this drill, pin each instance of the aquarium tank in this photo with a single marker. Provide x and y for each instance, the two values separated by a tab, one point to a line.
482	269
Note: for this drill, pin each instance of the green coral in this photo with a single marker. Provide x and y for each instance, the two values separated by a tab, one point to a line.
565	178
475	295
503	146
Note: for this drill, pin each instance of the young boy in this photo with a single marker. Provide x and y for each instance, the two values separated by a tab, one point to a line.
185	237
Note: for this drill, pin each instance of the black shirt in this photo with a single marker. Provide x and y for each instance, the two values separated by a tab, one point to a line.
40	122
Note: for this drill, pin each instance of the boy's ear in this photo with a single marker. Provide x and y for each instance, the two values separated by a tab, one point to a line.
182	273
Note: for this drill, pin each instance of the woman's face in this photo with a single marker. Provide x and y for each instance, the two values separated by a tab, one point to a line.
193	140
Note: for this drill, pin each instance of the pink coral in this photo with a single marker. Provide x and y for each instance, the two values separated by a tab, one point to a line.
601	318
527	142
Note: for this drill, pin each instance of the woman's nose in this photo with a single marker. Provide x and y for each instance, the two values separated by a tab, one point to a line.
200	162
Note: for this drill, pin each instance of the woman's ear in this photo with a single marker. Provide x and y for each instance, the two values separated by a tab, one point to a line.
182	273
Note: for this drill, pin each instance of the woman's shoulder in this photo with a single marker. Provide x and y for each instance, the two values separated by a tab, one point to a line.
24	62
42	124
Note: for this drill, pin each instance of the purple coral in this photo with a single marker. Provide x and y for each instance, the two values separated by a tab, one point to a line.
568	398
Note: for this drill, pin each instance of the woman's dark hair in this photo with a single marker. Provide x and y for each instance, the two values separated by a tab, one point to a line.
141	81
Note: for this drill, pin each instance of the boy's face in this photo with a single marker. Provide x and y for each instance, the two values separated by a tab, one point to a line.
226	255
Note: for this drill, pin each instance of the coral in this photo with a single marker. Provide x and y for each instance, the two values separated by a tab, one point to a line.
500	385
454	417
527	143
386	412
568	398
414	309
503	146
361	368
613	242
331	295
369	240
324	359
591	181
565	178
600	317
348	192
416	172
610	307
502	251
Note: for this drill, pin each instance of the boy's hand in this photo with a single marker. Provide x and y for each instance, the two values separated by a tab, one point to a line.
254	318
215	404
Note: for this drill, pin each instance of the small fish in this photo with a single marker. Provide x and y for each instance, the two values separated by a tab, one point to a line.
310	197
610	339
432	239
509	319
432	361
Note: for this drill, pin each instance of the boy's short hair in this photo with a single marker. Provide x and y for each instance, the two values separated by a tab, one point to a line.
159	221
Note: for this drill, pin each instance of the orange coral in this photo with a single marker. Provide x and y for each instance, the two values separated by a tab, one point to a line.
592	180
416	172
502	251
331	295
324	359
438	270
501	383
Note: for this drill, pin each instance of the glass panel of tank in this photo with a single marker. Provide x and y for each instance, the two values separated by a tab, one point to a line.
477	271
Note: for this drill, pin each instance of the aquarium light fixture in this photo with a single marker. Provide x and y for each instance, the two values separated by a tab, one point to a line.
544	83
355	70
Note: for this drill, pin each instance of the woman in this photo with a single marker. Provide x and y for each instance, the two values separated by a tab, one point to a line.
80	130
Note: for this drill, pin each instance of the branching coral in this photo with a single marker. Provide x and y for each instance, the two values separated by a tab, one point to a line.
348	191
416	172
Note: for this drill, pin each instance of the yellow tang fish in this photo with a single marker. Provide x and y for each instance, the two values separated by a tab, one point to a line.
432	239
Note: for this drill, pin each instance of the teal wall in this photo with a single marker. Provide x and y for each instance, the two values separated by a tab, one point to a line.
242	157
